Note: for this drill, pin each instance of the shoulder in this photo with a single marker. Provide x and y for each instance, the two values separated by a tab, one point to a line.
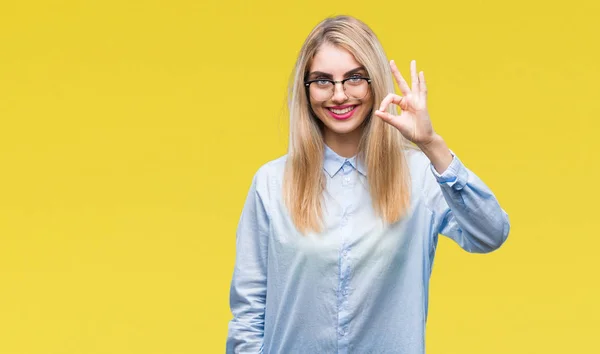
271	169
268	177
266	182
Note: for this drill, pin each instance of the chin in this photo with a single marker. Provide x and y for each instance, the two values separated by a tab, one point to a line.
342	128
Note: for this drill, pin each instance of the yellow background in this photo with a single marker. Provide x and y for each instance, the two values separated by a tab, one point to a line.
130	131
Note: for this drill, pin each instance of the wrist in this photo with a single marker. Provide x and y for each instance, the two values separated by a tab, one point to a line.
437	152
435	143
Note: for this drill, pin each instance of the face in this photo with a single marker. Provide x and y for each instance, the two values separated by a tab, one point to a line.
342	113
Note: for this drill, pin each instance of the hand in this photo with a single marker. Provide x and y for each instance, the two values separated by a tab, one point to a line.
413	122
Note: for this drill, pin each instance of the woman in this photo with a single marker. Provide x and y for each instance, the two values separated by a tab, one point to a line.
336	240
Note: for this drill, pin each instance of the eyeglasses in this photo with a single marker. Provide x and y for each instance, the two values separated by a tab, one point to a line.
323	89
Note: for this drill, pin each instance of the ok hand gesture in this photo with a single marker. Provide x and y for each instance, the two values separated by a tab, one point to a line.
413	122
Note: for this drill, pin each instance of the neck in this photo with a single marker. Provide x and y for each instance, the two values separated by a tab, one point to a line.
345	145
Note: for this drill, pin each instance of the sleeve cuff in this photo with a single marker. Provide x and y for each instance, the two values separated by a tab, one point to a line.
454	176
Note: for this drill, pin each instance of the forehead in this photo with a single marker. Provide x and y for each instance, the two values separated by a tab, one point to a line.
333	59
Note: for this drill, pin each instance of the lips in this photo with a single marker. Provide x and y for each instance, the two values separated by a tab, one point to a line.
342	112
341	109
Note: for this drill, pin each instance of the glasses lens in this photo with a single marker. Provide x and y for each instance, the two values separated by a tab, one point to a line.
356	88
321	90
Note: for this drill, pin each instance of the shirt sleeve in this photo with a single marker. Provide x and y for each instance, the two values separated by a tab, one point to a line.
249	282
466	210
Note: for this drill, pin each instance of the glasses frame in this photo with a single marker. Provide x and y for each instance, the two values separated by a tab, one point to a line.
307	85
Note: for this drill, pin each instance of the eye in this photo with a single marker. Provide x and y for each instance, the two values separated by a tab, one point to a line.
355	78
322	82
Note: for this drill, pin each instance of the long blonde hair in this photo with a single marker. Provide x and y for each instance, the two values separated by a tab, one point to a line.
380	147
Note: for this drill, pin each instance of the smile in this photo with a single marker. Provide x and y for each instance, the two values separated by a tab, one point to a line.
344	112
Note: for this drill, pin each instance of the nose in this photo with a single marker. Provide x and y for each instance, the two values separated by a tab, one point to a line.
339	95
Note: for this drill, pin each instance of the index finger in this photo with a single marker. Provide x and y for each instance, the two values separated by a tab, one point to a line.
390	98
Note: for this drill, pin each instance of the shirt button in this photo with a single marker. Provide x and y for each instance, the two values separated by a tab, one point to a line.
342	332
345	253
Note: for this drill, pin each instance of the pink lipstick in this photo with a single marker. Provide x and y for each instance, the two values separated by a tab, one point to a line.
342	112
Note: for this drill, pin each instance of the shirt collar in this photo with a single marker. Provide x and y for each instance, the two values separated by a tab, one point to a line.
333	162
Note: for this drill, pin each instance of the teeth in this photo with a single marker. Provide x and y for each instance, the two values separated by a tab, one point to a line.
341	111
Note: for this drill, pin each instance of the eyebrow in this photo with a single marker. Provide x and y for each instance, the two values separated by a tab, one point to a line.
320	73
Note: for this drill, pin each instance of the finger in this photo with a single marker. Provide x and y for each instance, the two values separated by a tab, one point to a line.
393	120
390	98
414	79
388	117
422	85
402	84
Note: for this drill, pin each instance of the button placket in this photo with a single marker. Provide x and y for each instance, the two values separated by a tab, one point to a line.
347	183
344	220
346	170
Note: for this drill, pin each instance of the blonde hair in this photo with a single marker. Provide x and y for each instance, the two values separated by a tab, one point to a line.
380	147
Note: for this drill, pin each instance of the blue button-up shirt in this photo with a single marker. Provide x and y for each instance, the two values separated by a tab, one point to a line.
359	286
